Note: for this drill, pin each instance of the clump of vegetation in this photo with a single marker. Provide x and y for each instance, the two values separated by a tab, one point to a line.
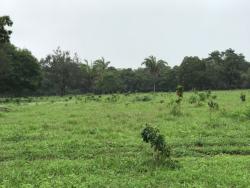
112	98
213	106
192	99
202	96
214	96
179	90
4	109
157	141
92	98
199	98
242	97
208	93
175	106
144	98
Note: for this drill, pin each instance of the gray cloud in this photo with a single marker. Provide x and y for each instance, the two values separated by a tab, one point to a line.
126	31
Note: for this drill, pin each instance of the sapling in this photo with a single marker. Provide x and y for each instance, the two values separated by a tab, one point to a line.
242	97
157	141
179	91
213	106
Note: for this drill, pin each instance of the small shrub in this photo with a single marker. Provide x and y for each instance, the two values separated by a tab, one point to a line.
179	90
192	99
213	105
175	107
112	98
242	97
157	141
145	98
202	96
208	93
17	101
175	110
214	96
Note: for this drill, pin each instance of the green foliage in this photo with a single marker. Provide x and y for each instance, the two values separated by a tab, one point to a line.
154	66
144	98
4	33
112	98
157	141
242	97
175	107
202	96
213	105
193	99
179	90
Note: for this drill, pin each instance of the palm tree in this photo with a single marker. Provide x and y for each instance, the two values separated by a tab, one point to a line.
100	65
154	66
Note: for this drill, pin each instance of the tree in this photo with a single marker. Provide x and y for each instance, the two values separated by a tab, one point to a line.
62	71
20	73
89	76
154	67
4	33
191	73
99	66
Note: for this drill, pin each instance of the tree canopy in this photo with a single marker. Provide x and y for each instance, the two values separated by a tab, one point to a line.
61	73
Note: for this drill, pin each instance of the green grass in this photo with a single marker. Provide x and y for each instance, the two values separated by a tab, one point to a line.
86	142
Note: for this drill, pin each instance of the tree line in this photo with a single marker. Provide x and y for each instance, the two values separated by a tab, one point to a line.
61	73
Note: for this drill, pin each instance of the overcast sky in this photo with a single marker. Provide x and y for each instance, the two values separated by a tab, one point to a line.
127	31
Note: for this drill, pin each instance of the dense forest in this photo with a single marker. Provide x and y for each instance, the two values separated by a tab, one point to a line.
60	73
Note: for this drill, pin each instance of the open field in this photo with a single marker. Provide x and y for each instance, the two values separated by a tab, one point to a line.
84	141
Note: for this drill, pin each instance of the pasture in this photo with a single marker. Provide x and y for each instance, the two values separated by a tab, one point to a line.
95	141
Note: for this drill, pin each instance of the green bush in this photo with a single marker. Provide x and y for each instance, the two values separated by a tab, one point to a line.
157	141
192	99
144	98
179	90
242	97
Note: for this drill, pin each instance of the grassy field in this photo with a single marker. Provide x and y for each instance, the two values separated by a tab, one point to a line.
84	141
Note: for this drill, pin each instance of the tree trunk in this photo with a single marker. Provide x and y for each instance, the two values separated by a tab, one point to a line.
154	87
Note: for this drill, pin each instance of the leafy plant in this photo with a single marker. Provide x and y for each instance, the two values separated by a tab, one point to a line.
179	90
202	96
192	99
213	106
143	98
175	107
112	98
157	141
242	97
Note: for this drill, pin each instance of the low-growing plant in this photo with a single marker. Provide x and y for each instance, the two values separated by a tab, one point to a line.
213	96
192	99
157	141
208	93
112	98
202	96
242	97
179	90
213	106
144	98
175	107
17	101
